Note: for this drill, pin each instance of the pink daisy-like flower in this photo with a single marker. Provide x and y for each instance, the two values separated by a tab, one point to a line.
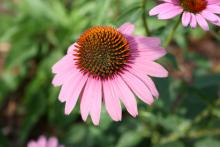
109	65
43	142
193	12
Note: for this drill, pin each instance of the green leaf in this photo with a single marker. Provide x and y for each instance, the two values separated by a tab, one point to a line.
103	8
207	80
175	124
207	142
129	12
130	138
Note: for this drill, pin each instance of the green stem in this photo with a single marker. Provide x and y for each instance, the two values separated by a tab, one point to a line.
202	133
144	16
192	135
171	34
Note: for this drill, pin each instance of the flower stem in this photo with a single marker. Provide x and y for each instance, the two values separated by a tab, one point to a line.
147	31
171	34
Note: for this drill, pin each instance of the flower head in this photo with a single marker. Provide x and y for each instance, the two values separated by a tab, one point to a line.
43	142
112	66
193	12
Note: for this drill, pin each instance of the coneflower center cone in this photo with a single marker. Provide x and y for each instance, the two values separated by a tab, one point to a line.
102	52
194	6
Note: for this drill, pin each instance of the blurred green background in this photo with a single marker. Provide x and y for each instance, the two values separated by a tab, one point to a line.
34	34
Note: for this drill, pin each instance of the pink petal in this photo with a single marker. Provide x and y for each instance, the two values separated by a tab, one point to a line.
64	64
126	28
186	19
91	100
151	68
87	97
42	142
171	1
60	78
152	53
213	9
202	22
160	8
209	16
138	87
216	23
143	43
112	102
32	144
71	102
69	86
96	102
171	13
126	96
147	41
71	49
213	1
193	22
52	142
148	82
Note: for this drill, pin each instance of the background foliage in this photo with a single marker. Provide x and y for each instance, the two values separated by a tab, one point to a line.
34	34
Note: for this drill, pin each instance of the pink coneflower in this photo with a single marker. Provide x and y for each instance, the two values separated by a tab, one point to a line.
193	11
109	65
43	142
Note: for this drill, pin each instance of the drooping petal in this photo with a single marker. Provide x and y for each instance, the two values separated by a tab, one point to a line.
71	102
214	9
87	97
171	13
209	16
147	80
96	102
63	64
151	68
202	22
146	41
151	53
213	2
138	87
193	22
186	19
161	8
69	86
126	28
112	102
126	96
60	78
91	100
216	23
